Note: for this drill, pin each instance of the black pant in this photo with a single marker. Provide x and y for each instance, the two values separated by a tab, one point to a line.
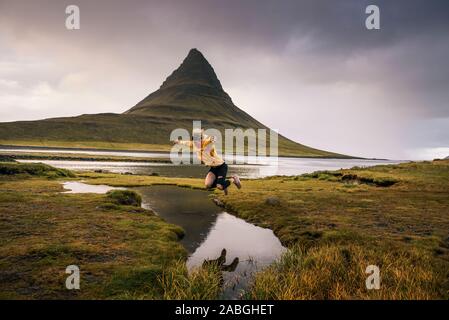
220	171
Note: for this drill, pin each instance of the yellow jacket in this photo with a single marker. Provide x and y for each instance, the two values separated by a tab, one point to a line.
207	153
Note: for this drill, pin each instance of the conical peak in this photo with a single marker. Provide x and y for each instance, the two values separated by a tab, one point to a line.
194	70
195	54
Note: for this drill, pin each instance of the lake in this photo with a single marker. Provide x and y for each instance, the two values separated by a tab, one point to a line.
254	168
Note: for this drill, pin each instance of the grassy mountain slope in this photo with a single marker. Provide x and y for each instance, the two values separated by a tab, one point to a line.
191	92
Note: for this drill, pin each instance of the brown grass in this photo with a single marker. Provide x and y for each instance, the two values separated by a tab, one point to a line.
198	284
338	272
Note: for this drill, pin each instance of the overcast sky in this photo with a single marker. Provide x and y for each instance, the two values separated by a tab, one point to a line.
308	68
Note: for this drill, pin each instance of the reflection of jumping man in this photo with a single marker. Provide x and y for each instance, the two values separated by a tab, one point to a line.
204	146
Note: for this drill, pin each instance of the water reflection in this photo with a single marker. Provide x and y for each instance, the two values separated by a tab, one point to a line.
209	230
255	248
191	209
219	263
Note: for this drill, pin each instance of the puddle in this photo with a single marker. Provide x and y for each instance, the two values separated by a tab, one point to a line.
208	230
80	187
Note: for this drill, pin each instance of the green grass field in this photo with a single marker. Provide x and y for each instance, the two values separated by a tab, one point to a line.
121	249
340	222
335	224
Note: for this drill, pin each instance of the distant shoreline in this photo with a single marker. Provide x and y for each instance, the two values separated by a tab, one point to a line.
43	148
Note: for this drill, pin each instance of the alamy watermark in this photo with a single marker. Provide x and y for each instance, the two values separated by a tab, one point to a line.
240	145
372	21
72	282
72	21
373	280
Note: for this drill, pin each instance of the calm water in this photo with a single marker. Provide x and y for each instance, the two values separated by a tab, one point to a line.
191	209
254	168
208	231
80	187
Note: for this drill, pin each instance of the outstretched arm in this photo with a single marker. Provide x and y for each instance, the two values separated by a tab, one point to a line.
188	143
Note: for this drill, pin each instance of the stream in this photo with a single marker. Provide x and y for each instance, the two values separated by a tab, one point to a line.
208	230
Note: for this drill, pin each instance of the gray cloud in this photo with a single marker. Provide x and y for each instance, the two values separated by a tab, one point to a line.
309	68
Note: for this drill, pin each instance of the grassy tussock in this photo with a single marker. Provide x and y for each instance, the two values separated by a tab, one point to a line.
338	272
125	197
338	176
121	180
33	169
199	284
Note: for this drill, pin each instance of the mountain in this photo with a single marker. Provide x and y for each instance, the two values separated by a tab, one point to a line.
191	92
